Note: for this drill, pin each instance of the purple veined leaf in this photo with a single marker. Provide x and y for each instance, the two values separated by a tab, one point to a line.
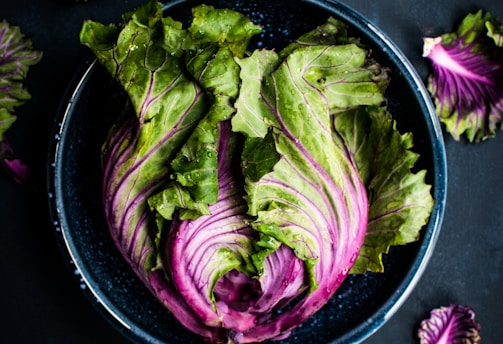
203	253
291	208
466	82
159	117
16	57
454	324
312	201
400	201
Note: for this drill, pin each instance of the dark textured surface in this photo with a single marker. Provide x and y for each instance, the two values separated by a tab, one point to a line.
40	300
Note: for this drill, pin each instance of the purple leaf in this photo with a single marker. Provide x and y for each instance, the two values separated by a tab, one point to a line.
467	78
12	164
455	324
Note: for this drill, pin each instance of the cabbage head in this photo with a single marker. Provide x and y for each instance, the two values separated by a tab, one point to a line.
236	184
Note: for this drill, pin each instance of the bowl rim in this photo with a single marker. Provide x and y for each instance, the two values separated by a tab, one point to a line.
430	232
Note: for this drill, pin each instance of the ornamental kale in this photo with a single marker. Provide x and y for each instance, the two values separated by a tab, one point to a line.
467	78
455	324
242	188
16	56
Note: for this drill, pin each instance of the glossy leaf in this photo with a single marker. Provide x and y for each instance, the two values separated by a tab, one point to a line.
230	185
400	201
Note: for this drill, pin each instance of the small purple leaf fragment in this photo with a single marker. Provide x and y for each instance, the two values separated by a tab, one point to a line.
12	165
454	324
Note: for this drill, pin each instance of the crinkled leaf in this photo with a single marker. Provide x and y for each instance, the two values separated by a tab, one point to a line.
275	243
252	117
400	201
12	164
179	92
312	200
167	104
259	156
223	25
467	78
16	56
495	31
216	37
332	32
450	325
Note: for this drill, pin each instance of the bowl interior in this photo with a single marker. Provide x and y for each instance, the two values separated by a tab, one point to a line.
361	305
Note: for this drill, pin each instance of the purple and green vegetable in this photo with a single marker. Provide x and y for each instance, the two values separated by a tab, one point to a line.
467	78
451	324
16	57
243	187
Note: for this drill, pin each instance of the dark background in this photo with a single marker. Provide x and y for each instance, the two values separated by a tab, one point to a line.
40	299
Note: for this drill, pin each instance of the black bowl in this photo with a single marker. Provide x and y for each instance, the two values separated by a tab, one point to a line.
361	305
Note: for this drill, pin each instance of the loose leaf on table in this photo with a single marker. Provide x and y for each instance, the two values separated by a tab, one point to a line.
450	325
466	82
16	57
172	95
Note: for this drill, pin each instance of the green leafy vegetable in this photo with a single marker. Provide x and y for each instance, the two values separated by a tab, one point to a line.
399	201
239	184
451	324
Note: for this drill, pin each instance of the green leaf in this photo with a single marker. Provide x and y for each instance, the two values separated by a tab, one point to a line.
270	239
333	32
400	201
6	120
209	59
301	195
222	25
259	157
166	105
167	201
17	56
495	31
253	115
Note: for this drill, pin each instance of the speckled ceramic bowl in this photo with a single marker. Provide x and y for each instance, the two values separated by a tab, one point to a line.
361	305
